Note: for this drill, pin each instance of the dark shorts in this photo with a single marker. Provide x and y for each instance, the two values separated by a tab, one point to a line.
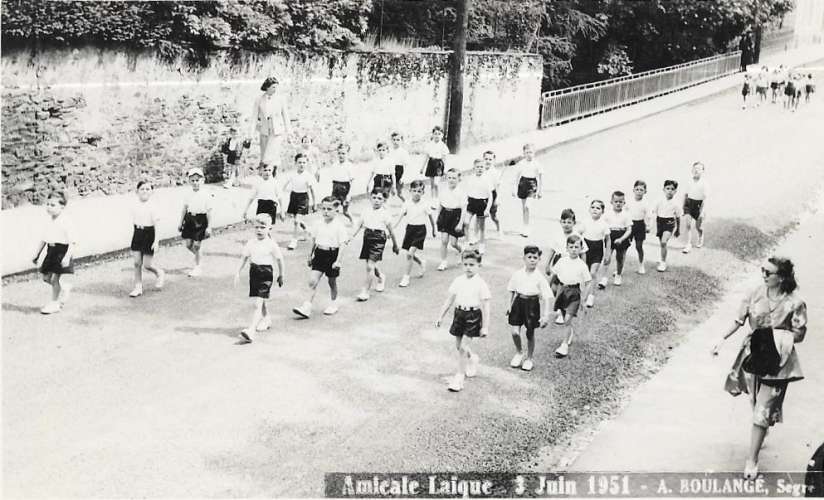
260	280
493	210
414	237
466	323
298	204
322	261
434	167
477	206
384	182
639	230
53	262
595	254
614	234
398	174
568	299
745	89
693	207
789	90
448	219
760	90
525	311
142	239
774	85
527	187
340	190
374	241
267	207
809	88
194	227
664	225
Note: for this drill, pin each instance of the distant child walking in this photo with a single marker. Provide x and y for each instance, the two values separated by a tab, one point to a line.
60	242
145	216
529	296
809	87
299	185
312	156
376	222
383	170
493	175
668	213
745	91
569	275
267	193
262	253
478	204
435	153
528	184
695	204
620	231
470	295
329	235
451	201
402	161
194	222
596	236
233	150
417	212
342	177
639	212
559	249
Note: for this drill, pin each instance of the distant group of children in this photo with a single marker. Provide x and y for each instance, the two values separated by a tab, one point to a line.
780	81
576	267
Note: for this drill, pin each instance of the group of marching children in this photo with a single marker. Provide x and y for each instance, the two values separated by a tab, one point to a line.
780	81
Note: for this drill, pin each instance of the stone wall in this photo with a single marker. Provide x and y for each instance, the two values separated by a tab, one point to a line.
95	121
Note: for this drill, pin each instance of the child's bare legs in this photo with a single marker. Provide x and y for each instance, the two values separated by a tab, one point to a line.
194	247
444	243
688	229
137	258
563	349
639	249
594	270
372	272
148	264
258	313
620	257
480	224
664	239
462	345
525	215
433	185
333	289
314	280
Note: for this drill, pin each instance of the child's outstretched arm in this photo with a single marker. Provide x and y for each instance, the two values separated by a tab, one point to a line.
183	216
369	182
485	318
40	247
400	218
607	247
395	248
357	229
312	197
209	220
445	307
251	200
432	222
243	261
550	258
540	190
278	255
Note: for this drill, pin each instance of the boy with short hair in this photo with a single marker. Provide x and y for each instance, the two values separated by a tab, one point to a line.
570	274
60	242
382	171
668	213
342	177
435	153
328	235
376	221
470	294
262	252
479	202
493	175
639	212
528	184
528	289
416	212
451	201
620	230
194	221
401	159
267	193
301	197
695	197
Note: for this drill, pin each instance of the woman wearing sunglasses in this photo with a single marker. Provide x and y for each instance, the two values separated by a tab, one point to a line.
767	361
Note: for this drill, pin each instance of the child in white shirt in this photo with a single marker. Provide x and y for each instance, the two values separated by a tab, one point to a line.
144	238
417	213
60	243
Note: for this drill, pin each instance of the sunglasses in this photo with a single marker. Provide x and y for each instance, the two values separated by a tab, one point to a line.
766	272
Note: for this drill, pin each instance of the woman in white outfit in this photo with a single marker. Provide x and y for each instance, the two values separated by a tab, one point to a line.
270	119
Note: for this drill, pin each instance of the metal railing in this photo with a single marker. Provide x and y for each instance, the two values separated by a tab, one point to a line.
563	105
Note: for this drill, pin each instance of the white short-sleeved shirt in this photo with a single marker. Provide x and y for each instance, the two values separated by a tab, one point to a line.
59	230
329	234
696	190
667	209
300	182
400	156
477	187
267	189
469	292
145	213
493	176
638	209
560	244
617	220
383	166
416	213
376	219
592	229
572	271
530	169
341	172
436	149
529	283
198	202
451	198
262	252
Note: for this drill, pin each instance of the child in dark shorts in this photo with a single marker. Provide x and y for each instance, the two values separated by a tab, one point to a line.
639	213
668	213
569	275
620	230
470	294
401	159
328	237
376	222
528	289
341	174
59	241
493	175
745	91
144	238
434	164
528	184
450	221
267	193
382	171
301	197
417	213
194	222
262	252
809	87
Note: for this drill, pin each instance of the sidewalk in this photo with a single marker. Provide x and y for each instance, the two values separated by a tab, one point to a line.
21	226
682	420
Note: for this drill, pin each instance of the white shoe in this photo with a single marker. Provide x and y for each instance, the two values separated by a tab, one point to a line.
525	232
404	281
590	300
363	296
381	284
517	360
304	310
602	283
457	383
662	266
617	280
51	308
700	242
331	309
195	272
293	244
559	320
245	336
528	365
687	249
442	266
161	279
472	365
563	350
264	324
65	293
641	269
136	292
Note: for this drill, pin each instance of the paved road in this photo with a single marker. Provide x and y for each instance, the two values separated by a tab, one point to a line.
150	397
